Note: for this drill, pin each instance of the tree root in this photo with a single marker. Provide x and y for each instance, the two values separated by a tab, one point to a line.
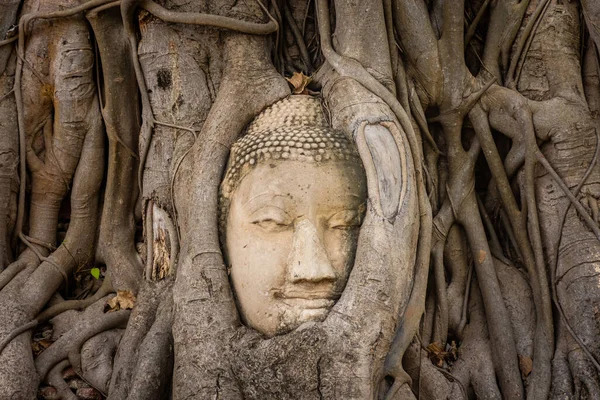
216	21
298	37
140	323
17	332
55	379
593	225
428	381
116	245
532	259
59	308
148	381
440	327
128	8
554	259
474	368
414	309
201	265
73	340
473	26
512	79
40	283
11	271
455	257
95	361
23	26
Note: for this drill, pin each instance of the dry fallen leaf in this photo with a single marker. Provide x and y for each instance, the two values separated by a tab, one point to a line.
436	354
39	346
452	353
124	300
299	81
441	357
525	365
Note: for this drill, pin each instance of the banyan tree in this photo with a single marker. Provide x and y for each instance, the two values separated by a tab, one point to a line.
299	199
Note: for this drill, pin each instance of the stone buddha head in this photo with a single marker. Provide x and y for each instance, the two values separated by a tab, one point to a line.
292	201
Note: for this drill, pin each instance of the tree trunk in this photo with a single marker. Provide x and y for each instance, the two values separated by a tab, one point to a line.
473	262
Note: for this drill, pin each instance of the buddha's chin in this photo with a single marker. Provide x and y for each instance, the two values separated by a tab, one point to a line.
313	315
293	317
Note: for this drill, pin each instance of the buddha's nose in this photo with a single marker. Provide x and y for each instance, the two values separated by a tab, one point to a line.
308	261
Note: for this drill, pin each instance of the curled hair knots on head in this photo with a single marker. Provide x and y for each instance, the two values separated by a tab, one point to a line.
293	129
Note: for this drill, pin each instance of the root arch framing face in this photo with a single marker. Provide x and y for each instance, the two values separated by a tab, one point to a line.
299	199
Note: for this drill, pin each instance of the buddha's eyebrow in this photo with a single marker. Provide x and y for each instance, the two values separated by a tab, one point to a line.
270	194
352	197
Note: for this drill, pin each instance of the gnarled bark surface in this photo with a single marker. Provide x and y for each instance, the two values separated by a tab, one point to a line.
476	273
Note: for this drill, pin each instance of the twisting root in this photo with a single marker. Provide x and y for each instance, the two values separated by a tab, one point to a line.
11	271
475	22
149	238
532	251
59	308
416	304
8	41
23	26
103	7
440	328
554	261
17	332
495	246
465	306
216	21
76	337
56	380
532	255
531	35
297	34
128	8
511	81
578	206
143	316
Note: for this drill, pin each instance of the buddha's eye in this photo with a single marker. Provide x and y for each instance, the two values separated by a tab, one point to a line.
271	219
345	220
271	225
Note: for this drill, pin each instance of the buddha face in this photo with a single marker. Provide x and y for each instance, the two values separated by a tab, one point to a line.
291	236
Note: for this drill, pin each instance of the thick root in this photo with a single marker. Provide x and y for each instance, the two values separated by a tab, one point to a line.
428	382
91	323
95	361
152	376
128	355
56	380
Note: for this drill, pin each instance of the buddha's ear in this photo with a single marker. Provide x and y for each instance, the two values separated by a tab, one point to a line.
384	167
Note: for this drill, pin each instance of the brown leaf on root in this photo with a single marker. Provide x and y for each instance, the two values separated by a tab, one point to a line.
299	81
124	300
439	356
40	345
525	365
436	354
